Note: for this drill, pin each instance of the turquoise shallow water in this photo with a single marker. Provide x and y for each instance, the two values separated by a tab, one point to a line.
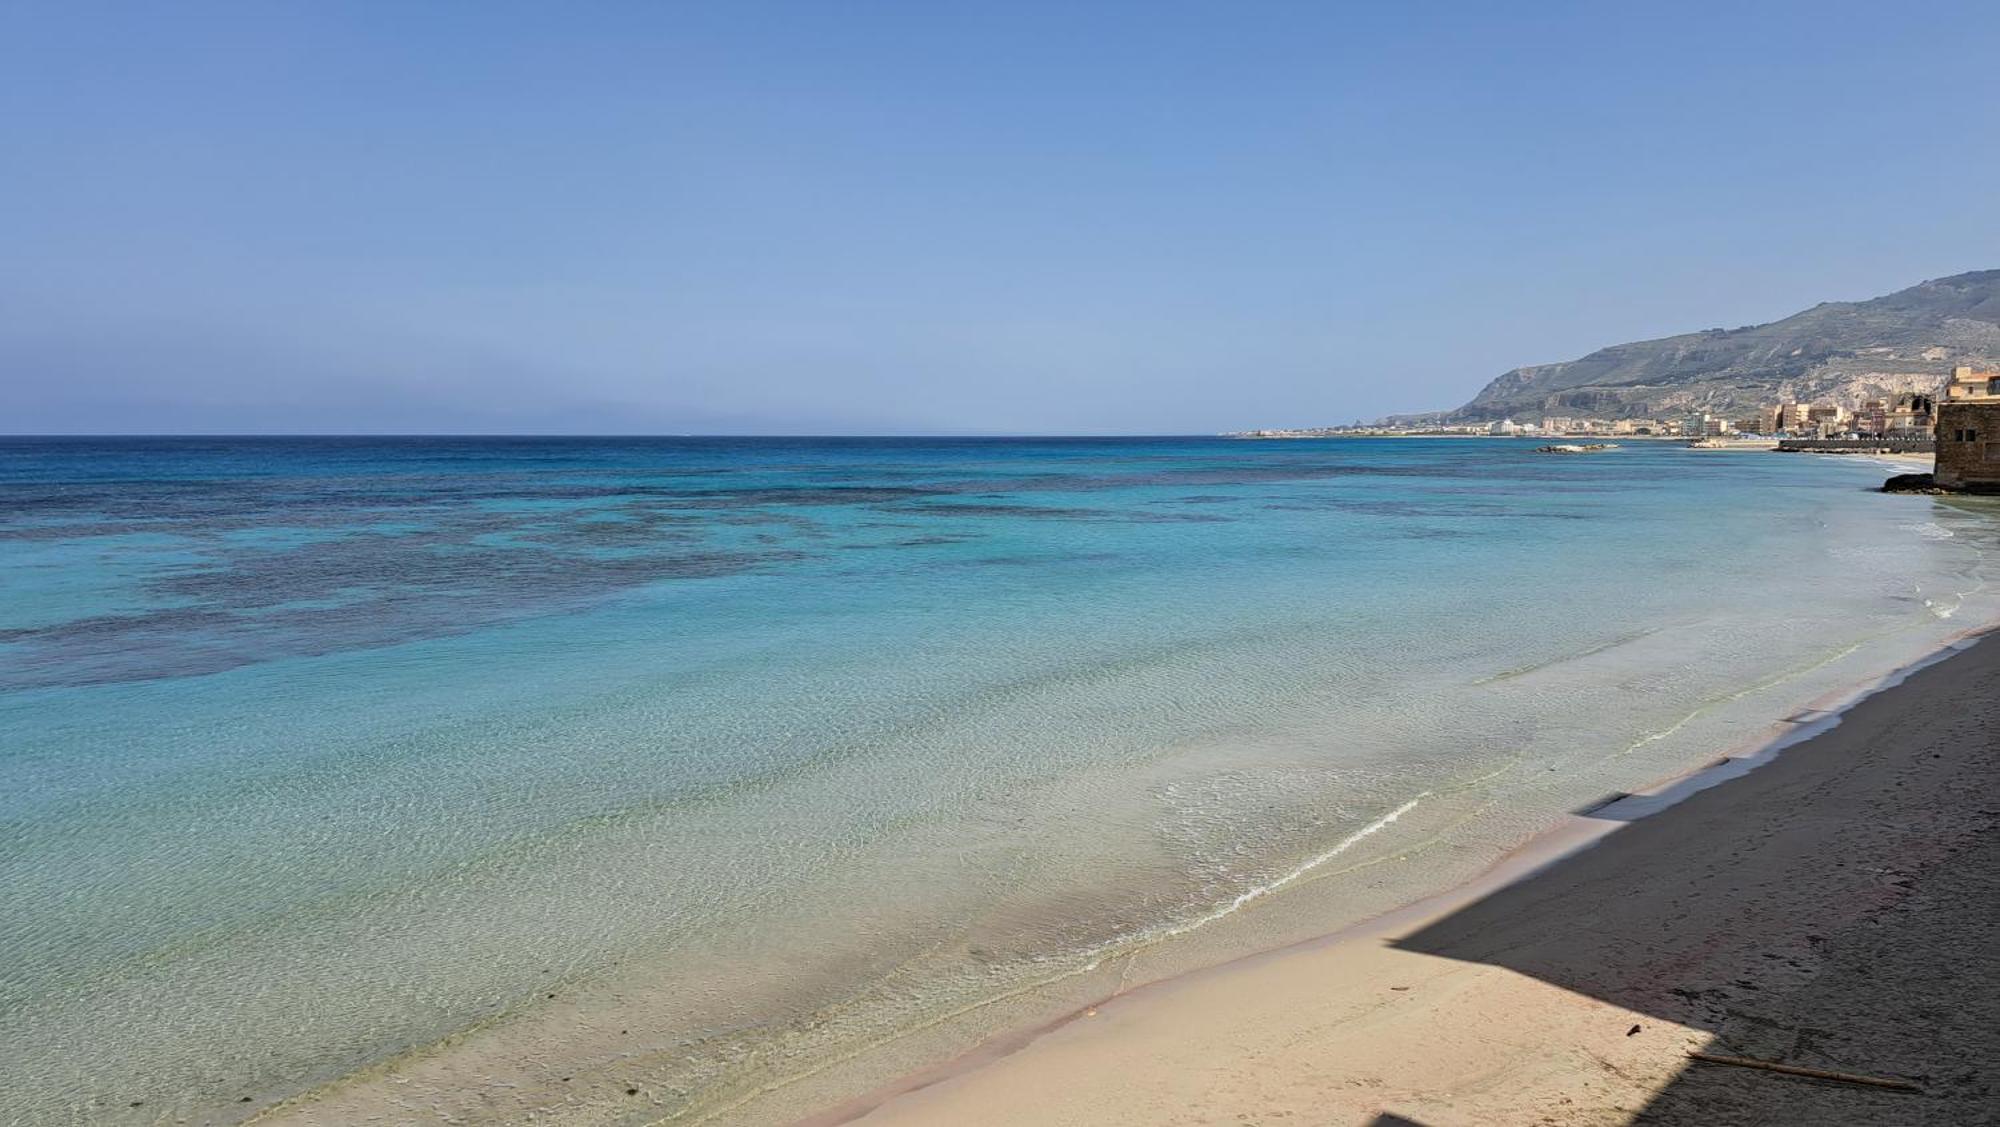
317	751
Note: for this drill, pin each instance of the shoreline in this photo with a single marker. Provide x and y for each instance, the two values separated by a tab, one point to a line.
1067	779
1574	834
465	1073
910	1097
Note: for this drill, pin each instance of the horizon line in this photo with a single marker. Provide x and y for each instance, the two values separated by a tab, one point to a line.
8	437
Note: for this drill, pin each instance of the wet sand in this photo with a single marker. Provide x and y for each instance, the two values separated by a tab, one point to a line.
1832	909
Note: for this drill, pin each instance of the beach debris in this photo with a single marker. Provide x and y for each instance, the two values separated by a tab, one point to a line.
1399	988
1815	1073
1632	1031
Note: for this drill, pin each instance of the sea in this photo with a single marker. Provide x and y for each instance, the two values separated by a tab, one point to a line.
688	780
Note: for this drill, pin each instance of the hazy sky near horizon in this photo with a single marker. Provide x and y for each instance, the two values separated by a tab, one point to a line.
940	217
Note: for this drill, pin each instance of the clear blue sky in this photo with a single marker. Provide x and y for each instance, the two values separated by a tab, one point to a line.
942	217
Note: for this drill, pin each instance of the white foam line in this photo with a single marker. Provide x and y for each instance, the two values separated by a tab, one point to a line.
1147	938
1649	802
1726	698
1116	948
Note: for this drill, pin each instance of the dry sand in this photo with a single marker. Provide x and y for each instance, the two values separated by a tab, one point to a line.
1838	908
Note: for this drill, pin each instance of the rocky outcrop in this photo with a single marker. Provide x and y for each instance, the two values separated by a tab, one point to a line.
1911	483
1927	483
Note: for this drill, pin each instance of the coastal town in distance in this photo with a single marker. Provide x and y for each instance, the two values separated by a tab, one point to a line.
1908	421
1875	375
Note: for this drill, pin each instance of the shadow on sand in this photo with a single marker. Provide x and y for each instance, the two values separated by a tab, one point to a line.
1836	909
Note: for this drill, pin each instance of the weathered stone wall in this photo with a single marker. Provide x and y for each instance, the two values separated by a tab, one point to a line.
1968	444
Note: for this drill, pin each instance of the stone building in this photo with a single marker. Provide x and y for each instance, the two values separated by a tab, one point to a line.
1968	432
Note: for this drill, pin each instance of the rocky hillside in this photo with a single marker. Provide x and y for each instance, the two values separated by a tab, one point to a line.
1835	351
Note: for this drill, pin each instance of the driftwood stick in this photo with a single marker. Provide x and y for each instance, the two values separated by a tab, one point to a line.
1815	1073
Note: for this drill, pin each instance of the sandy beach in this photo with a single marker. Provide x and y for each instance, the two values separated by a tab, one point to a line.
775	565
1830	909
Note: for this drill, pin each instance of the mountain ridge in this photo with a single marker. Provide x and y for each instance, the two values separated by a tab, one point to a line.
1908	340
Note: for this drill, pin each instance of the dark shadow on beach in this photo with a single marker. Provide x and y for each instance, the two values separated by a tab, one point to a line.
1837	909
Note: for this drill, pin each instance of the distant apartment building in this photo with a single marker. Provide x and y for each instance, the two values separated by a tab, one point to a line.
1912	415
1795	417
1968	432
1568	424
1759	423
1971	383
1872	417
